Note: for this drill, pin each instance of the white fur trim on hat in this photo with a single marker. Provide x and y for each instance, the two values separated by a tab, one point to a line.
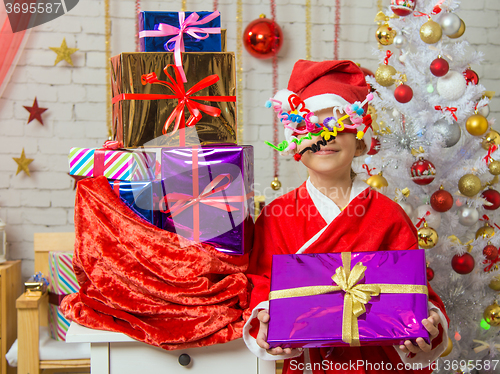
283	95
324	101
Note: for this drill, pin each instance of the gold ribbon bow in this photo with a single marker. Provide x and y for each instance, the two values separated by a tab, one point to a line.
356	295
415	152
381	18
484	346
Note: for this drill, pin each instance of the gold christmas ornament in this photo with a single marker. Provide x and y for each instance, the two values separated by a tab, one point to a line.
485	231
469	185
64	53
476	125
431	32
427	237
491	137
276	184
492	314
494	167
495	284
460	31
377	181
385	34
384	75
448	349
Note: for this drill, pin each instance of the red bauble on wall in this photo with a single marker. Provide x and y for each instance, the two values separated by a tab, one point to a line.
440	67
375	147
263	38
492	196
471	76
403	94
441	201
422	172
463	264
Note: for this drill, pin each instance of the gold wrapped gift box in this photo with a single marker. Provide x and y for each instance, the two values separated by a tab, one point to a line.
140	109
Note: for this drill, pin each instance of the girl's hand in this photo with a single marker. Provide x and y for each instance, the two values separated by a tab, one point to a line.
263	317
431	325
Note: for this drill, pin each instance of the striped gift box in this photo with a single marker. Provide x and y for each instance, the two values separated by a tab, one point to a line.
62	282
118	164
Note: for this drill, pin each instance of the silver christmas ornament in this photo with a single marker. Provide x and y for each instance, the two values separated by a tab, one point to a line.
450	132
400	41
467	216
450	23
484	111
407	208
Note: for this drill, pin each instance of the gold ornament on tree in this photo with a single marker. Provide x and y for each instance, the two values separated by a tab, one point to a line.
491	138
495	284
492	314
377	181
476	125
385	35
469	185
494	167
448	349
276	184
427	237
486	231
431	32
384	74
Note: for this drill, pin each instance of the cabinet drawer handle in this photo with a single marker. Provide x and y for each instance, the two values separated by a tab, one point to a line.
184	359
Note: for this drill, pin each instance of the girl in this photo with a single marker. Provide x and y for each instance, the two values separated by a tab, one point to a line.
333	211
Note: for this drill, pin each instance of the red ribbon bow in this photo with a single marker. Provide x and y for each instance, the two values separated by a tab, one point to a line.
449	109
185	99
490	266
387	57
491	149
112	145
487	219
422	220
368	170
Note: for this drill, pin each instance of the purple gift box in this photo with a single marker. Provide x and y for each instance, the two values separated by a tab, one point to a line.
316	320
208	195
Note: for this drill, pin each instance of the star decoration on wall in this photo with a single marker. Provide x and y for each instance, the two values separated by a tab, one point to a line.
64	53
35	112
23	163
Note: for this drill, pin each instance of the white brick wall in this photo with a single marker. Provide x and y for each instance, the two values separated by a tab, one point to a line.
76	96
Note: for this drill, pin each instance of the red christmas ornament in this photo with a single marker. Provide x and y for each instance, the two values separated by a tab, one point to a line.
403	93
471	76
35	112
463	264
422	172
440	67
403	7
430	274
441	201
492	196
490	252
263	38
375	147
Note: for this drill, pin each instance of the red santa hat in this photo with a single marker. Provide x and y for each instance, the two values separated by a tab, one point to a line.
326	84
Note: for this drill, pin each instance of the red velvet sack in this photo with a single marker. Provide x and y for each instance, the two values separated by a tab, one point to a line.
148	283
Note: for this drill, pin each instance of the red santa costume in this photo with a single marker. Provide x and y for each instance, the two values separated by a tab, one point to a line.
307	221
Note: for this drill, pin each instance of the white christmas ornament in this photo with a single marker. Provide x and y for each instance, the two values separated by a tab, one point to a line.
400	41
452	86
407	208
450	23
484	111
433	219
467	215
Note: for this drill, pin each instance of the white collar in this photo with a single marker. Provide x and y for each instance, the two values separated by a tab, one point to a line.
326	207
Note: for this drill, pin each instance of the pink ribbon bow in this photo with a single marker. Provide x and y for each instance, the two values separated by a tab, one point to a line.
188	26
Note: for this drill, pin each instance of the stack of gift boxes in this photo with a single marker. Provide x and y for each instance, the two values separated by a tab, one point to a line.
173	158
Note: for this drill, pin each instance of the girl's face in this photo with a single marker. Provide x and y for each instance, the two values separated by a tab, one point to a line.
336	157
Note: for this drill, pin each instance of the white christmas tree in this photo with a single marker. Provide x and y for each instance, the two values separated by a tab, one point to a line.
430	120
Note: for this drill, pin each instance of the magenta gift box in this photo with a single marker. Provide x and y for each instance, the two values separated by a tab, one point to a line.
316	321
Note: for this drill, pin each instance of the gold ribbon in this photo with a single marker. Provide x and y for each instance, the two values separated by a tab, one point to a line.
484	346
356	295
457	241
381	18
415	152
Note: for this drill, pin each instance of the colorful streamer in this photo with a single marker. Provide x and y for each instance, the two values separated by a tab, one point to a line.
337	30
137	10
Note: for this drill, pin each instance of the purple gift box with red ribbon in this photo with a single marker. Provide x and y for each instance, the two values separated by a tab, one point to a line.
348	299
208	195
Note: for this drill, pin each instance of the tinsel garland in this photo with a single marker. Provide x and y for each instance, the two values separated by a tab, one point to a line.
308	29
